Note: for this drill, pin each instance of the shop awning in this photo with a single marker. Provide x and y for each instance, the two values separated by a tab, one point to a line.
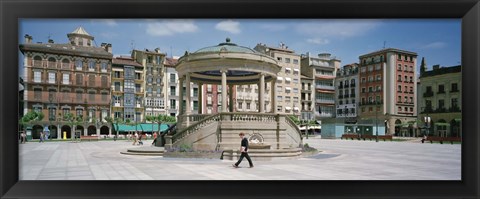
296	70
442	124
458	119
280	78
141	127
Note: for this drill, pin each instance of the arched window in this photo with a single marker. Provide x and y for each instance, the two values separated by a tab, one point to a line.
37	61
91	65
52	62
78	64
65	64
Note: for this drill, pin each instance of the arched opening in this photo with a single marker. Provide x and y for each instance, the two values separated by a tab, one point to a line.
65	64
79	129
36	130
398	126
92	130
66	129
53	131
104	130
37	61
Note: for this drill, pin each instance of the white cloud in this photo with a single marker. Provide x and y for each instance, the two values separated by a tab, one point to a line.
107	22
171	27
434	45
337	28
273	27
229	26
318	41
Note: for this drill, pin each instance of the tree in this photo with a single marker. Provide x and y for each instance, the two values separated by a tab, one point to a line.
295	119
159	119
29	118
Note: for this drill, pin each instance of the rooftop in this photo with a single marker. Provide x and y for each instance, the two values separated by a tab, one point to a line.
388	50
226	46
442	71
69	49
170	62
125	61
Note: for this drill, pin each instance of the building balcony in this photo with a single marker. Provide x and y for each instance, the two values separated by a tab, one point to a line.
346	95
371	103
352	95
326	87
441	92
352	85
340	86
454	91
428	94
325	101
67	98
323	115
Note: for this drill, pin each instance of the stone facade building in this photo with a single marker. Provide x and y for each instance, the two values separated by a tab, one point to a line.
441	100
72	77
307	95
347	94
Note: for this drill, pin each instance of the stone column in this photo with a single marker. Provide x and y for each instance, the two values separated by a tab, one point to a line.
188	108
273	95
261	93
200	98
230	96
85	131
180	96
224	90
59	132
98	131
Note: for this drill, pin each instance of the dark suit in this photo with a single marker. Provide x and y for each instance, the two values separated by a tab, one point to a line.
245	153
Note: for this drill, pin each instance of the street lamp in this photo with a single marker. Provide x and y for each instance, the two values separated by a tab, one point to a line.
376	121
427	120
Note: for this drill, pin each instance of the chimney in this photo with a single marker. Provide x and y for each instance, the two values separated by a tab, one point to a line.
50	41
108	48
28	39
103	45
436	67
157	50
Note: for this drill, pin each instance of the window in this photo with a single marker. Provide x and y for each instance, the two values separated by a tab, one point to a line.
279	98
117	86
91	80
104	96
363	90
295	90
363	79
79	64
104	66
279	108
173	90
295	61
370	89
104	81
172	78
405	68
279	89
370	68
378	67
37	61
411	89
66	79
79	113
295	80
399	78
399	67
429	89
279	58
79	96
149	90
37	76
363	69
287	60
51	78
248	105
411	99
399	100
370	79
454	102
454	87
116	74
441	88
379	88
406	88
52	112
65	111
173	104
240	105
91	96
91	65
441	104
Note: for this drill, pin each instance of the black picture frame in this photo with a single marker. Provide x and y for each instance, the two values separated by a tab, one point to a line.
11	11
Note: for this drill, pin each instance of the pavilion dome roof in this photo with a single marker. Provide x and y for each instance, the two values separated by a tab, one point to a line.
226	46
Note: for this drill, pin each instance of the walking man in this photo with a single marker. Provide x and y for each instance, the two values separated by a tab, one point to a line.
244	151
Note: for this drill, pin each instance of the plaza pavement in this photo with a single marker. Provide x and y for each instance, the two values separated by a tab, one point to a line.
339	160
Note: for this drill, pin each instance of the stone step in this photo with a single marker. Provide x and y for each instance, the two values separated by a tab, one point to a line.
142	154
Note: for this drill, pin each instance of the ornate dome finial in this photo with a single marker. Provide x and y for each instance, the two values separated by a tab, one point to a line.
227	40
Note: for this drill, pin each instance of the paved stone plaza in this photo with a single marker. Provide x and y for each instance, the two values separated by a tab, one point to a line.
339	160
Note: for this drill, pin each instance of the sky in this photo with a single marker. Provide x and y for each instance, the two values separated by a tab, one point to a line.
438	40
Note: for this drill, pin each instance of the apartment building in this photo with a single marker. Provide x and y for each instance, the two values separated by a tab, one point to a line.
173	90
154	80
440	100
72	77
323	69
288	85
388	89
307	95
347	93
127	90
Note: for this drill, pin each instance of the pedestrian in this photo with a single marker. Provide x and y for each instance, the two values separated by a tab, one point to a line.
41	136
140	139
135	138
115	138
22	138
154	138
243	151
424	138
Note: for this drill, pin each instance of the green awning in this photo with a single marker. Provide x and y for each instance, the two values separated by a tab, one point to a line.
458	119
141	127
442	124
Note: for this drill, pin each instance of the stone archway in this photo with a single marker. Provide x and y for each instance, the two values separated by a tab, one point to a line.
80	129
454	128
68	130
104	130
53	131
36	130
398	127
92	130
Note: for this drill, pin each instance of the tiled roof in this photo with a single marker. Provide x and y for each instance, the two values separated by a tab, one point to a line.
388	50
125	61
170	62
67	49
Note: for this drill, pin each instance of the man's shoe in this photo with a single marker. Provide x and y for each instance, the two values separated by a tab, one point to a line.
234	165
251	166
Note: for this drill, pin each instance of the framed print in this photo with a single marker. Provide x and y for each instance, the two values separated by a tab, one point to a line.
86	110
